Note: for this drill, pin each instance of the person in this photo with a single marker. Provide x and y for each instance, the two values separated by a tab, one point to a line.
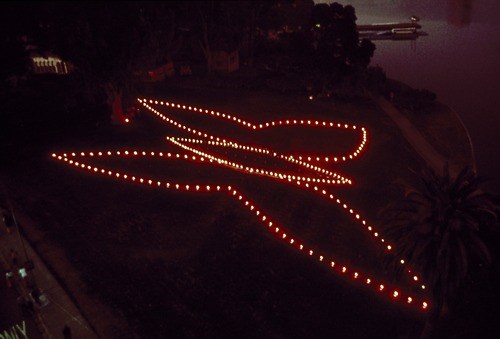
30	309
35	294
66	332
13	257
7	221
26	306
22	305
9	276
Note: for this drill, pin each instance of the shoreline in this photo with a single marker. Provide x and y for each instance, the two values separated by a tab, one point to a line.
464	128
443	129
446	132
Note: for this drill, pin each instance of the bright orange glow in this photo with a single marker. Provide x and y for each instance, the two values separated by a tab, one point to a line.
317	182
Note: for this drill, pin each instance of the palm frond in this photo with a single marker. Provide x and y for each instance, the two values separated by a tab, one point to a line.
437	227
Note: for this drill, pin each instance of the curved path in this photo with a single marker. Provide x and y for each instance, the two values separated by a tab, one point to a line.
419	143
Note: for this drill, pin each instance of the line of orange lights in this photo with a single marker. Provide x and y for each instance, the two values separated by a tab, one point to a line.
317	184
288	122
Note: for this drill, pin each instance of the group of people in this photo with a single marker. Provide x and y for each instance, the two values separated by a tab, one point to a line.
35	297
10	274
8	223
18	273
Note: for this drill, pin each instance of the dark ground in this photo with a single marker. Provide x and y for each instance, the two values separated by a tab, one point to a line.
182	265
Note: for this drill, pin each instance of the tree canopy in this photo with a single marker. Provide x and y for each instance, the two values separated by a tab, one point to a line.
441	229
337	49
109	42
13	57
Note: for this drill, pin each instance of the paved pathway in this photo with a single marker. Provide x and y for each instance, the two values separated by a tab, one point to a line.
419	143
60	310
13	323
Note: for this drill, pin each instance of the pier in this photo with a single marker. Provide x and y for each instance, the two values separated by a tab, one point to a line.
390	31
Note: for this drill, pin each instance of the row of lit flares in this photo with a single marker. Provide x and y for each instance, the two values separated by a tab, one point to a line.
306	182
287	122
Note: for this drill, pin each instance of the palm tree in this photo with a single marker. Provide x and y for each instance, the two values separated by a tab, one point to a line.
440	230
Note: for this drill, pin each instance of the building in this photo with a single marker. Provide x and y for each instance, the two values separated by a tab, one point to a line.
160	73
225	62
49	64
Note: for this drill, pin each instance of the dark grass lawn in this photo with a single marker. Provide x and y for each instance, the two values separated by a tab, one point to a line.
187	265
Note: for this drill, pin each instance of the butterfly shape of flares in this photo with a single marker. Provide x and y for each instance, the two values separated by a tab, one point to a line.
317	183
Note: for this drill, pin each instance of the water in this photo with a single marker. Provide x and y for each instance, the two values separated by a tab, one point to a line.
459	61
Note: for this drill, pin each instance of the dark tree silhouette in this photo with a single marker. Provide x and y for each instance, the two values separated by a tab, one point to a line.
365	53
335	39
440	229
13	57
226	25
107	42
261	16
